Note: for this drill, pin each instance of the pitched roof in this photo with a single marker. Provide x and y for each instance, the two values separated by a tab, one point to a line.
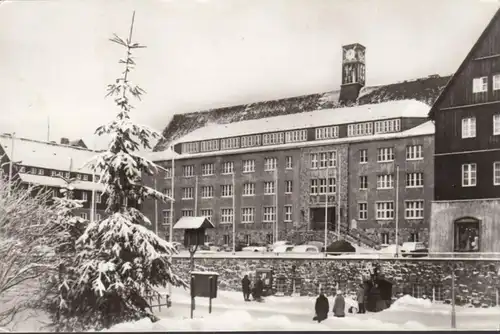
318	118
464	63
424	90
58	182
193	223
47	155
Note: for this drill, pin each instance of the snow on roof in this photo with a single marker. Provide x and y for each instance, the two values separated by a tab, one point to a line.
204	273
47	155
424	129
193	223
166	154
356	114
58	182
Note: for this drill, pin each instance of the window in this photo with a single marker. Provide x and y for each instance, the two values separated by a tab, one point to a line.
314	160
22	169
53	173
166	217
167	192
327	159
288	162
85	196
414	237
209	145
363	156
249	189
226	216
360	129
328	132
67	175
469	127
295	136
330	189
249	141
314	187
207	191
84	215
467	237
363	182
480	85
385	181
385	154
388	126
269	238
207	169
270	164
414	152
207	213
414	209
414	180
98	198
168	172
384	210
269	188
189	147
188	170
496	173
247	215
226	239
230	143
248	166
288	187
40	171
79	176
226	190
187	193
469	175
269	215
496	82
187	213
496	124
384	238
288	213
33	170
362	211
228	167
85	177
273	138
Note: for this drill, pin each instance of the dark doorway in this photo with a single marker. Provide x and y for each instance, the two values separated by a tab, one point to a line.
317	219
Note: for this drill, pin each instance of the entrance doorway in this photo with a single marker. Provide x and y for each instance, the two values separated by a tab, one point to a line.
317	219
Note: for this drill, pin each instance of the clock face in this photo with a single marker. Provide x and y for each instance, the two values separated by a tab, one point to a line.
349	55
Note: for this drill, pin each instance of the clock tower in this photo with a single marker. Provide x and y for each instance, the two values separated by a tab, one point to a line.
353	72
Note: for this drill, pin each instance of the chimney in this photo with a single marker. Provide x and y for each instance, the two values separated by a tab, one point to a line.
353	73
64	141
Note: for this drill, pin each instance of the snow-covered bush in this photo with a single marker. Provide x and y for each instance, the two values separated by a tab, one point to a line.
120	261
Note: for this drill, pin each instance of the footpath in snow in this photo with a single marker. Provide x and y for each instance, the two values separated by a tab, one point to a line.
230	312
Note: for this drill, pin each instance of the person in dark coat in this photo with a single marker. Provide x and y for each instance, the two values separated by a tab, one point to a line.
360	296
321	308
245	286
339	305
258	289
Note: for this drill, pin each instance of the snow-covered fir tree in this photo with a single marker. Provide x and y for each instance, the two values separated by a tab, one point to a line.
121	262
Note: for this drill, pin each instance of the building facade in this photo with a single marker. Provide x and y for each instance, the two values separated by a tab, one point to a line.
467	152
44	164
283	177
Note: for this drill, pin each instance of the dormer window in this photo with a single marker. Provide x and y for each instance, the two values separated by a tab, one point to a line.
480	85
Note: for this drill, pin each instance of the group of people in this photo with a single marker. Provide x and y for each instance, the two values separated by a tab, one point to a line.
255	290
322	306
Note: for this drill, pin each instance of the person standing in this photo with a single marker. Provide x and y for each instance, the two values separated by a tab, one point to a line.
245	286
339	305
321	308
360	296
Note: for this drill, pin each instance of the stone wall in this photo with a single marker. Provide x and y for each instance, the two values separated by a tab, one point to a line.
476	280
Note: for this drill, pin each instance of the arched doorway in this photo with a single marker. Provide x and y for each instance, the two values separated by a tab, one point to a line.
467	235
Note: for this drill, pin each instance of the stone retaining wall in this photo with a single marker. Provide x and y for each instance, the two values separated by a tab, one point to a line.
476	280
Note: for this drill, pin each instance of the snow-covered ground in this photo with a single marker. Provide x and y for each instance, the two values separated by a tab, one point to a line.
230	312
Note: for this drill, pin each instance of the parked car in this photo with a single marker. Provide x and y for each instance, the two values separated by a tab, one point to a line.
271	247
340	247
283	249
414	249
255	247
305	249
229	248
210	247
320	245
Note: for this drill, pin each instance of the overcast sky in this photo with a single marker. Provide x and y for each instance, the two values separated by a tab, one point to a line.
56	60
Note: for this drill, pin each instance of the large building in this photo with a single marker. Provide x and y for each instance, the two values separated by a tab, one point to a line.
466	210
45	164
228	161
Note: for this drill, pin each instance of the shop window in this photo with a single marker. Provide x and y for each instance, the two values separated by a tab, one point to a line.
467	235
